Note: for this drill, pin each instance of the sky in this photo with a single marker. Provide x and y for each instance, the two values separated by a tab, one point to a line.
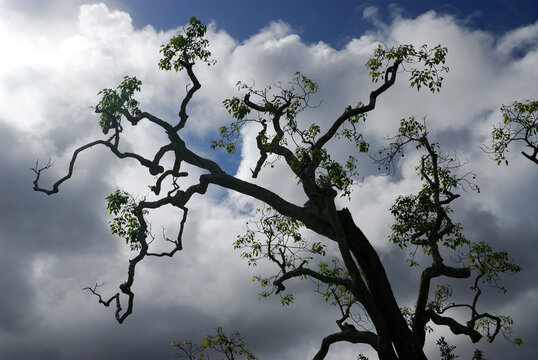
56	56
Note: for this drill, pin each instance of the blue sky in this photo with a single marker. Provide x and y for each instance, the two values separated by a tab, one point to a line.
59	53
330	22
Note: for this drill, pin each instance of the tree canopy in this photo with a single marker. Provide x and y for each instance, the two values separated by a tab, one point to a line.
355	281
519	124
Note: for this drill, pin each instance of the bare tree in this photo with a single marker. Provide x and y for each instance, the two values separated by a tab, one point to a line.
356	281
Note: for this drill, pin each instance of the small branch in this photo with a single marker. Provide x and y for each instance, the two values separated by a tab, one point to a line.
119	318
261	147
454	326
154	168
498	324
178	242
252	105
300	271
183	110
350	335
532	157
157	187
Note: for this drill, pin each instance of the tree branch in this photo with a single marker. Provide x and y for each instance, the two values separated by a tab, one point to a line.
154	168
454	326
183	110
300	271
351	335
389	80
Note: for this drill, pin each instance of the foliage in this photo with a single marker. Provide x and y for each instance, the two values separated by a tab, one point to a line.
284	239
334	293
423	219
284	245
441	295
428	76
489	264
520	124
446	350
114	103
125	224
220	343
187	48
478	355
287	103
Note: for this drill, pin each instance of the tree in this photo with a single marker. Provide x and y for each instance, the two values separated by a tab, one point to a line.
221	343
520	124
356	281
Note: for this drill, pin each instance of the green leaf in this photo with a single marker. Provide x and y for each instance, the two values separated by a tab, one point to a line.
125	224
184	50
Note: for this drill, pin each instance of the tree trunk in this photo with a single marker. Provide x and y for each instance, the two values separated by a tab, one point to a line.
402	338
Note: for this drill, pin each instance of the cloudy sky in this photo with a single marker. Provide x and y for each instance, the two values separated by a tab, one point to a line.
56	56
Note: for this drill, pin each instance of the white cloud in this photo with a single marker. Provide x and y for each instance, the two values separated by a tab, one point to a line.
97	21
377	194
520	39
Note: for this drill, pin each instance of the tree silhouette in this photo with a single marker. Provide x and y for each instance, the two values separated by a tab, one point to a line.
355	281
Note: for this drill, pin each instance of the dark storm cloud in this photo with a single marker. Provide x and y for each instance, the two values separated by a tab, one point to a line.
26	214
30	230
518	239
18	304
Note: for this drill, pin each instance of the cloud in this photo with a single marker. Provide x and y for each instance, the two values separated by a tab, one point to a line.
54	246
520	40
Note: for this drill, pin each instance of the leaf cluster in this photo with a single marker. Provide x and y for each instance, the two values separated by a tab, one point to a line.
282	244
490	265
336	295
349	130
227	345
492	324
280	106
416	219
429	76
125	224
446	349
287	103
423	219
283	240
330	173
520	123
114	102
183	50
228	138
441	295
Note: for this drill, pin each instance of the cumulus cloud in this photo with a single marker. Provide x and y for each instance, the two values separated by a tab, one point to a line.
519	40
50	80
